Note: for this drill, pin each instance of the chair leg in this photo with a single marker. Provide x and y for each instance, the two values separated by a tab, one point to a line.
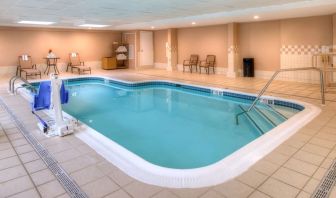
57	70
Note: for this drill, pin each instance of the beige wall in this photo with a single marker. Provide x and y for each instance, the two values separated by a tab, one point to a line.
261	41
203	41
160	39
307	31
334	29
92	45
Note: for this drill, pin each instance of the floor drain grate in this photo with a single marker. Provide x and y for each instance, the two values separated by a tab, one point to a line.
69	185
327	183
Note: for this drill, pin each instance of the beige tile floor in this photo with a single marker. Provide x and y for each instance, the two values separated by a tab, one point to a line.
294	169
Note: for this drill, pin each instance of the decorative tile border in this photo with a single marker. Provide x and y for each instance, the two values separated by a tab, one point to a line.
233	49
300	49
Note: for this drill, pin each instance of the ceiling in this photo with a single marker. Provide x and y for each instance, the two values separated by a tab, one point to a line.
143	14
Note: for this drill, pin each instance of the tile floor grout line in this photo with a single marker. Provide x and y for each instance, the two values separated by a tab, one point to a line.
24	167
282	166
62	176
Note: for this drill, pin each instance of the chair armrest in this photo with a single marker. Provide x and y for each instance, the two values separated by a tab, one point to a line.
82	63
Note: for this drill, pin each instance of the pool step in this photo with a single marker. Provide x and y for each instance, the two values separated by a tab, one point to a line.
271	114
258	120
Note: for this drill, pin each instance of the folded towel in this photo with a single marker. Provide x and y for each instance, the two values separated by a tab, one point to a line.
121	57
51	55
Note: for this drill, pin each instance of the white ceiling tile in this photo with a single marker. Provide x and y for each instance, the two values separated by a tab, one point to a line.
111	12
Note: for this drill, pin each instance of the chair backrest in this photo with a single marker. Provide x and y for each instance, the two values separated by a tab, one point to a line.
193	59
25	61
74	59
211	59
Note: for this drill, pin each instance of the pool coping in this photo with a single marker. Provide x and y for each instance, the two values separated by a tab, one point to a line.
219	172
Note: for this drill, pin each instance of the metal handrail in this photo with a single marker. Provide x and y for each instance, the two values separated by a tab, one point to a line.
271	80
12	82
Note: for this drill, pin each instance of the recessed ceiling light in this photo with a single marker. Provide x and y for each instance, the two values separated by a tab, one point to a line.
93	25
256	17
152	27
36	22
193	23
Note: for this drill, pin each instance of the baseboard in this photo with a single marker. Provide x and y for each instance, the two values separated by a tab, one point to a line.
7	71
218	70
160	65
145	67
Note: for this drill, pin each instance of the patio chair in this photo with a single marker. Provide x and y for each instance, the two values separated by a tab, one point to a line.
193	61
209	62
25	64
76	63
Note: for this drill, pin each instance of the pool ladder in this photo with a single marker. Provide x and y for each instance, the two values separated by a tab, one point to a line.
263	90
25	84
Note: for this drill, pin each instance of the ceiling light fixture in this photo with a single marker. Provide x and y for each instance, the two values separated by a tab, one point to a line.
256	17
93	25
152	27
36	22
193	23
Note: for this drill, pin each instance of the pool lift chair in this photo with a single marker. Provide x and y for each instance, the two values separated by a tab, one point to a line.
50	97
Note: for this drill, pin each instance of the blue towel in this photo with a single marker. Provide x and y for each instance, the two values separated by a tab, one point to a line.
64	94
42	100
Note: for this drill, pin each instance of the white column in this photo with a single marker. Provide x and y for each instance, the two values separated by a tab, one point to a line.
233	62
172	50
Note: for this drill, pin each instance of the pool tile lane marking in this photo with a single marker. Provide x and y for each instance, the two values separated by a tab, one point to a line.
62	176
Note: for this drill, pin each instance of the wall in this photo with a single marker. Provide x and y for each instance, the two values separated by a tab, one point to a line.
260	40
91	45
307	31
300	39
203	41
274	44
160	39
334	30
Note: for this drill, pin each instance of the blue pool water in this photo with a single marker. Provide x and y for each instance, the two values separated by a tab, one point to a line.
167	125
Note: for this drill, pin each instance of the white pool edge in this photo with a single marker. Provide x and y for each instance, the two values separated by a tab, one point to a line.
219	172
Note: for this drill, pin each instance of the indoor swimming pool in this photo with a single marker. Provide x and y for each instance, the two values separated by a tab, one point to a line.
177	135
167	125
